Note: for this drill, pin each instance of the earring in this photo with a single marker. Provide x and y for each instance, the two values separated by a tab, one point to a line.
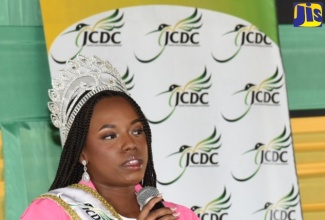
85	175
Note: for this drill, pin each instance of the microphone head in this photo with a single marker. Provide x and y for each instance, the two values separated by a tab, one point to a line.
145	194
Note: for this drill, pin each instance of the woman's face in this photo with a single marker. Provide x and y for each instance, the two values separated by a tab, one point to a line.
116	149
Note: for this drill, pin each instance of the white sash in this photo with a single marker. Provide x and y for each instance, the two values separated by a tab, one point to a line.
87	205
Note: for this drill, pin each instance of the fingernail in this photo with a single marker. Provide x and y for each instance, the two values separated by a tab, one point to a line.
173	209
159	195
176	214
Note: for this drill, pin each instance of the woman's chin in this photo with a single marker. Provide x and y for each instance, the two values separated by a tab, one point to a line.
134	180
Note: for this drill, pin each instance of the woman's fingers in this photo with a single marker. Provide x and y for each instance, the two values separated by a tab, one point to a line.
147	213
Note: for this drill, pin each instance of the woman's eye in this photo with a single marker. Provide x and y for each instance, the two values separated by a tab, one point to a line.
138	131
110	136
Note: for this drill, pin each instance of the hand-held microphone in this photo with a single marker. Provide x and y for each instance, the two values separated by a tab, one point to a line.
146	194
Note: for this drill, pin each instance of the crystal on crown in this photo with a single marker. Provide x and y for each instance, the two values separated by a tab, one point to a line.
82	78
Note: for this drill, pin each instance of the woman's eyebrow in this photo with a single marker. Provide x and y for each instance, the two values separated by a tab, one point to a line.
135	121
107	126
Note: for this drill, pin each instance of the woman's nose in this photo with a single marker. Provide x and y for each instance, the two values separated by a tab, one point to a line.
129	143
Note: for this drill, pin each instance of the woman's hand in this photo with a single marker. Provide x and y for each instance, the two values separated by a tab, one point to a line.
161	214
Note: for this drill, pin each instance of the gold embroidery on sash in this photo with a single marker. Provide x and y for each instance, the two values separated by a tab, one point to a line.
97	196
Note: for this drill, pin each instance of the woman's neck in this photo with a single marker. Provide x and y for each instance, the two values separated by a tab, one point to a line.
123	199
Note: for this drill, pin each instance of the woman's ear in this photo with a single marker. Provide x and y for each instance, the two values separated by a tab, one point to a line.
82	157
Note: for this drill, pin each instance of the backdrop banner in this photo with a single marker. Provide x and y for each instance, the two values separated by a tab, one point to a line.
209	76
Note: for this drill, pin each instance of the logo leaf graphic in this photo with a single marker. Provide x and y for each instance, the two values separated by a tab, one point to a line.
187	23
109	23
205	145
289	200
128	81
216	205
220	203
272	82
280	141
197	83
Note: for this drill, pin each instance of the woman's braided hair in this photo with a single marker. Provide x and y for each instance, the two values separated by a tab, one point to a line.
70	170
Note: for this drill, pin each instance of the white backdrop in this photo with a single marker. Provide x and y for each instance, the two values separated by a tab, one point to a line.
216	99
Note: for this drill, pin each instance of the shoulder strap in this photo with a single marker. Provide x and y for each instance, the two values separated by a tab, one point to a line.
82	202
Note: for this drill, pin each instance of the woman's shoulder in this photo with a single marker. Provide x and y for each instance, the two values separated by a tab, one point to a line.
185	213
44	208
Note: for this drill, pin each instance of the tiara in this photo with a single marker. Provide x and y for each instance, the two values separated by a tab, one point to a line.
82	78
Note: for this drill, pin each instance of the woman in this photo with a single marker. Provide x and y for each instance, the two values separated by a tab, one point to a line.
107	154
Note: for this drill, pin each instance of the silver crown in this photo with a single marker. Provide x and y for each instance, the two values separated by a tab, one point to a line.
82	78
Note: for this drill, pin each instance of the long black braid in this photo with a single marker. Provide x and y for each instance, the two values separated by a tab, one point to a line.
69	169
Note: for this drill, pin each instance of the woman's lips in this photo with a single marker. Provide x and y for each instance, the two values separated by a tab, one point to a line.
133	164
